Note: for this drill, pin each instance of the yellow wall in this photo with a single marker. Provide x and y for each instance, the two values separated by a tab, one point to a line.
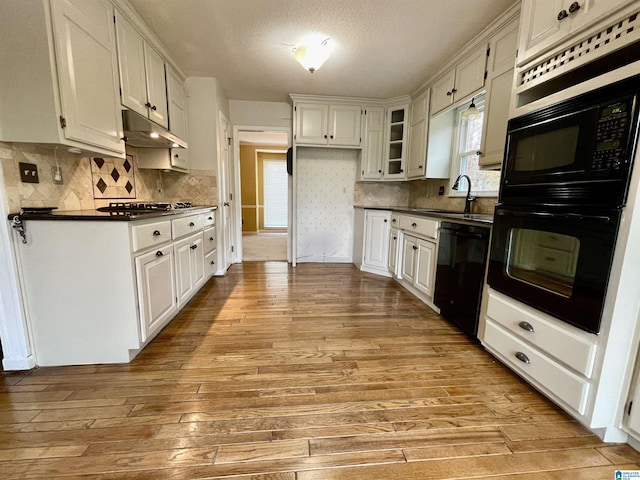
251	184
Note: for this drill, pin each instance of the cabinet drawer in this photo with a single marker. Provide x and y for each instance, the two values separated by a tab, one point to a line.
567	344
150	234
556	379
208	219
419	225
186	225
210	263
210	239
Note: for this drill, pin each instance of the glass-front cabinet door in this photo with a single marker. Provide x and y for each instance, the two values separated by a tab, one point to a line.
396	144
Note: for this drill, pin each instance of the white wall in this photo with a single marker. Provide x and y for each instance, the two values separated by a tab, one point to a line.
263	114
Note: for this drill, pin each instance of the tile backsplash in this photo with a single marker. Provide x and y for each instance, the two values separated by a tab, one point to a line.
81	188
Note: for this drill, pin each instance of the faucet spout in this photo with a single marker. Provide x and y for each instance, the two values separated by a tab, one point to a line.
469	198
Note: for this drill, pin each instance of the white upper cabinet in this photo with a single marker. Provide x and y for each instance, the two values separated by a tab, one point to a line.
344	125
501	64
546	23
466	78
177	105
396	142
332	125
372	151
142	74
59	76
418	136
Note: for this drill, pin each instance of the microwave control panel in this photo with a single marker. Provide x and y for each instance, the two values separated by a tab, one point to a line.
611	135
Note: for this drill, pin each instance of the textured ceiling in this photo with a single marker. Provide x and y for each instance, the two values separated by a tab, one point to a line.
383	48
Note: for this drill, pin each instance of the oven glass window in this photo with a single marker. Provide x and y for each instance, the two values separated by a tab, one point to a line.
546	151
545	259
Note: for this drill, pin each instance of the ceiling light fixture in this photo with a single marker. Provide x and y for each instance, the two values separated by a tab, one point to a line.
472	112
312	54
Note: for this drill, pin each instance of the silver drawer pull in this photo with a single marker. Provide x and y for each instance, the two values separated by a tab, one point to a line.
156	233
523	358
526	326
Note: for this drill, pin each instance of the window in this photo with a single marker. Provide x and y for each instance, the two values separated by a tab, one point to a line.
465	160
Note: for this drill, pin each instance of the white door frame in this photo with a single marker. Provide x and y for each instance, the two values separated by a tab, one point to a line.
17	345
236	184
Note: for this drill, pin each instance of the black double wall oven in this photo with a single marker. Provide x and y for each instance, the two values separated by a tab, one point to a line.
564	184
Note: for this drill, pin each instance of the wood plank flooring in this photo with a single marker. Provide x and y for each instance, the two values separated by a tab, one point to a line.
315	373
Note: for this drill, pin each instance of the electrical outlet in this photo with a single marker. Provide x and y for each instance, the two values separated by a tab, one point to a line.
28	172
441	190
56	174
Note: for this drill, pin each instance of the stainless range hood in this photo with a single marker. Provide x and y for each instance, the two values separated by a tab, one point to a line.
143	133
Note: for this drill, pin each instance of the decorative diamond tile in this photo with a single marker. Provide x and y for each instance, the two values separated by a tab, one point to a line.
113	178
101	185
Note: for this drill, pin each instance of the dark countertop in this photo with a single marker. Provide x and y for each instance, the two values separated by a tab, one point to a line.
454	216
94	215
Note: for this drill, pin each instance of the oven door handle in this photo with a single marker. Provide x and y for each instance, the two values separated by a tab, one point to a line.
570	216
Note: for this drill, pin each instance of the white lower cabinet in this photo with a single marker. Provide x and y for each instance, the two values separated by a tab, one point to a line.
555	357
156	289
189	266
394	242
376	238
409	253
87	306
425	267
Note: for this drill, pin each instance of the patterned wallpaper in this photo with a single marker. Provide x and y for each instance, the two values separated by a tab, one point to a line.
325	195
80	189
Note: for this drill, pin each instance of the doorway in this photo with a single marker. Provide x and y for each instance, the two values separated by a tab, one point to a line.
264	192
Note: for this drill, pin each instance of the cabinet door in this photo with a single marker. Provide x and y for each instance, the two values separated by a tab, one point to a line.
197	259
470	73
311	123
376	238
156	289
416	166
344	125
424	266
441	93
184	275
177	105
409	250
540	27
156	86
372	152
88	72
397	131
498	97
392	263
133	82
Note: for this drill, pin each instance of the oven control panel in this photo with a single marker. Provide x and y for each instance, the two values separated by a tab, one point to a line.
611	134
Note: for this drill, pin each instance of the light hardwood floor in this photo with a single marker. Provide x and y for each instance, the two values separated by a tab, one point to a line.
315	373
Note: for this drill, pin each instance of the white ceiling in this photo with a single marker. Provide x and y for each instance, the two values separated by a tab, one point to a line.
383	48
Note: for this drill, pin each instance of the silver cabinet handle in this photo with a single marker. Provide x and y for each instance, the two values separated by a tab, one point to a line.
523	358
526	326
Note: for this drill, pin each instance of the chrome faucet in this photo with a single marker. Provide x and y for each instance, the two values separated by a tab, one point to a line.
469	199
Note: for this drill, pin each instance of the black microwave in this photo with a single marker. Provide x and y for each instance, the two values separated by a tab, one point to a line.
575	152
